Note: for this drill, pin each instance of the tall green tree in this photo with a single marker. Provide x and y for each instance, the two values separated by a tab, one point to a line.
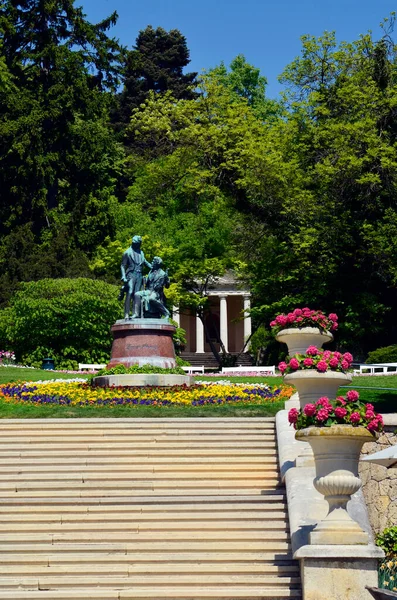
155	64
58	158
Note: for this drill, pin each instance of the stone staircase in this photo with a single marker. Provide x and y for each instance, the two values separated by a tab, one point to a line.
143	508
207	359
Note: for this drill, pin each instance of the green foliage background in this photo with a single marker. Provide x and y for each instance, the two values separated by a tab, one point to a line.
298	196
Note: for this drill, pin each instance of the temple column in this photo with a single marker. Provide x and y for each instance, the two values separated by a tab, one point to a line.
223	321
176	316
247	318
199	336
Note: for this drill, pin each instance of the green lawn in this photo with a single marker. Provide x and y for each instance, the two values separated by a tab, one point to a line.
385	400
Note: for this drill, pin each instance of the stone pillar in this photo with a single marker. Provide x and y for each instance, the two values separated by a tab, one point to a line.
199	336
247	318
223	322
176	316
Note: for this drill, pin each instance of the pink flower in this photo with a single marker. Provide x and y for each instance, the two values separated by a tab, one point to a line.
347	356
352	395
293	415
370	414
273	323
324	402
337	355
369	407
379	418
291	317
299	319
340	412
310	410
298	312
326	354
333	363
341	400
312	351
308	362
373	425
294	364
355	417
281	320
282	367
322	366
322	415
345	365
334	327
333	317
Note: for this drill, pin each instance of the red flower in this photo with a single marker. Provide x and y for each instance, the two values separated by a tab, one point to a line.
333	363
352	396
294	364
282	367
322	415
293	415
310	410
308	362
340	412
355	417
322	366
345	365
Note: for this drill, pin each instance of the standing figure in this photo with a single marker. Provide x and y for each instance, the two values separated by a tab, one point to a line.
151	300
131	273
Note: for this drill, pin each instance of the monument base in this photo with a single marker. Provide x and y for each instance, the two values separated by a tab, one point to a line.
143	342
141	380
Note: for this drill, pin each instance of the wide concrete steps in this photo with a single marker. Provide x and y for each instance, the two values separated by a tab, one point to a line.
143	508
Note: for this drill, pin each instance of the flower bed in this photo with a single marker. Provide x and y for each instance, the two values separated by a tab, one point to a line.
82	394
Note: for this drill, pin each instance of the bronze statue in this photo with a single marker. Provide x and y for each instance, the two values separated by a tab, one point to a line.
150	302
131	273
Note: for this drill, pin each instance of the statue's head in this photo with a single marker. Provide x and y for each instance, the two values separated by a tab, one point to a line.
136	240
157	261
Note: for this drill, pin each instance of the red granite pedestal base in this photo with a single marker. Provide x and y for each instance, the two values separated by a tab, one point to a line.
143	342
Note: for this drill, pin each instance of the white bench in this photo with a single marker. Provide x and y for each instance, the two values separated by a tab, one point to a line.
264	369
190	370
376	368
93	367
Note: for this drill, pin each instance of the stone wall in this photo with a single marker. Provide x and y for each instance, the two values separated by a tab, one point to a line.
379	483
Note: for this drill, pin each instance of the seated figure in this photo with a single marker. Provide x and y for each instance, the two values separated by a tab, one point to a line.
150	302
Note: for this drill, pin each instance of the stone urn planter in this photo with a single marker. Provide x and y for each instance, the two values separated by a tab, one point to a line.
299	339
312	385
336	452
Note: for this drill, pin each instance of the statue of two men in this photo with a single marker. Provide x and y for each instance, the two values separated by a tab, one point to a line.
149	301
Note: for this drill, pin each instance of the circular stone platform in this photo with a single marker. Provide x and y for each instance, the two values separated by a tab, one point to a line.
141	380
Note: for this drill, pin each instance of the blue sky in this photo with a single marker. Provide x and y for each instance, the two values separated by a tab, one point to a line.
267	32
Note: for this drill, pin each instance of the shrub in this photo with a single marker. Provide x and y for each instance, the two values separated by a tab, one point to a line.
387	540
387	354
68	320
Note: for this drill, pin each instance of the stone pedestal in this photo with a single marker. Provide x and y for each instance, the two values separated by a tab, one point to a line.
143	342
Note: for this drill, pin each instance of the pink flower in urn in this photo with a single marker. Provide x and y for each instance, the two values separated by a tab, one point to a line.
281	320
291	317
340	412
293	415
333	363
380	419
282	367
322	415
341	400
369	414
273	323
337	355
326	354
373	425
294	364
298	312
310	410
333	317
299	319
347	356
308	362
334	327
312	351
352	395
345	365
369	407
322	366
323	401
355	418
